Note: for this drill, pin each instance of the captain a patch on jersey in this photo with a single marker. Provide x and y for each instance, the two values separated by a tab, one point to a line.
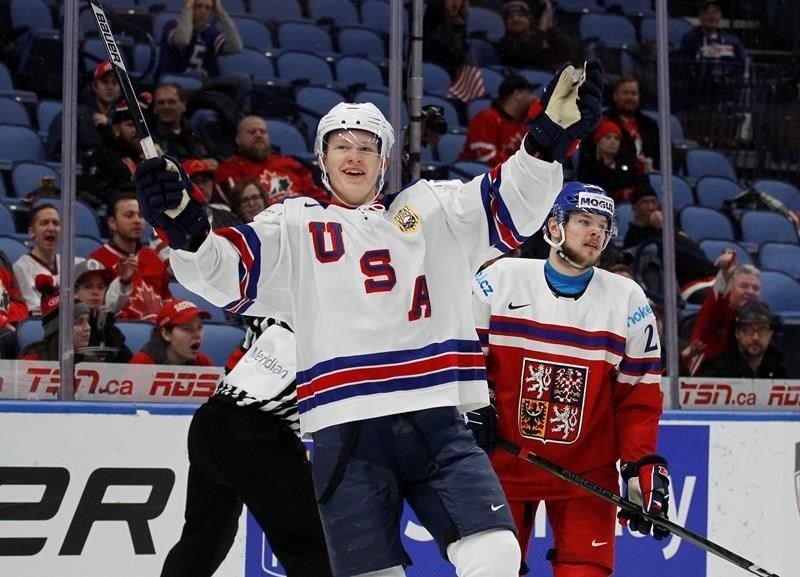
551	400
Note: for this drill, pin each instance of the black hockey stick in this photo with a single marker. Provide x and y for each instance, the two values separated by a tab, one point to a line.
630	507
115	56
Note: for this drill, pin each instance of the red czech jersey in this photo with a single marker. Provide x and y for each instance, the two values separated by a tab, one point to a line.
150	282
282	176
576	380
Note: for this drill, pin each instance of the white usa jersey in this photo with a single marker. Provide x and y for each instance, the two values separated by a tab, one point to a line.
380	300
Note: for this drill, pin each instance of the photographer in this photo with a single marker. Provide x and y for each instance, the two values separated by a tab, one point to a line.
432	127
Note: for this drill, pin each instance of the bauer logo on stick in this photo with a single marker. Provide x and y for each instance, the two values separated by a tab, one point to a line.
105	30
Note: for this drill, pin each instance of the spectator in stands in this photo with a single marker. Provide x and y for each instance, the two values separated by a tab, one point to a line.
639	136
177	337
12	309
150	280
527	45
191	44
694	272
752	356
609	169
444	33
47	348
171	128
202	174
495	133
95	104
733	288
115	162
45	233
248	198
93	283
282	176
707	42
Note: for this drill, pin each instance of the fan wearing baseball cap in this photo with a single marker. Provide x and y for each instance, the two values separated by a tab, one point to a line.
177	337
201	173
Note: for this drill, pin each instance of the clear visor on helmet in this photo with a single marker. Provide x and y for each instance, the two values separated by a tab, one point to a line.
348	141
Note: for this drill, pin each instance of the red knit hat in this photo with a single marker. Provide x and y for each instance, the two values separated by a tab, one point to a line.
605	127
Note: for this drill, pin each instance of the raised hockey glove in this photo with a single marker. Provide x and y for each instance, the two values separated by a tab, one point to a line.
170	202
568	112
647	483
483	424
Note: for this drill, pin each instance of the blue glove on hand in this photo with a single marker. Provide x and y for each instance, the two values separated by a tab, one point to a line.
647	483
568	111
168	201
483	424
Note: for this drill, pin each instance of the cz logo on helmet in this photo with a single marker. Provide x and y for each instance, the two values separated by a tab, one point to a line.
594	201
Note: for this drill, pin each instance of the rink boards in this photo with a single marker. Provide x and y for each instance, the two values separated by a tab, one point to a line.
87	487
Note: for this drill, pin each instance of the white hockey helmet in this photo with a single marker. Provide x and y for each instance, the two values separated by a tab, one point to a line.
352	116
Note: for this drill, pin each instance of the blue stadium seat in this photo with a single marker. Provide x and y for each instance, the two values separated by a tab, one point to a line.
304	35
786	192
676	28
351	70
713	191
249	61
706	162
86	245
8	89
484	52
482	19
760	226
612	30
13	112
579	6
448	109
296	65
467	170
137	333
29	331
780	256
220	340
313	102
713	248
12	247
287	137
188	82
46	111
235	7
272	11
449	147
381	100
30	14
702	222
26	176
339	11
85	217
19	143
631	8
780	291
254	33
624	213
435	79
475	106
681	191
491	81
377	14
360	41
161	18
3	191
536	77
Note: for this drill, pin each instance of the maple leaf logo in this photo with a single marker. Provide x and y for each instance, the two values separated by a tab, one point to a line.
144	303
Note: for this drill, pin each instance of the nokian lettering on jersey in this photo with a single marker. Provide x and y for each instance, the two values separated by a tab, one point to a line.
551	401
639	315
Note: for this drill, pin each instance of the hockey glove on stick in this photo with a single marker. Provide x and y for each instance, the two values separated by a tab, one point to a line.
170	202
567	112
483	424
647	483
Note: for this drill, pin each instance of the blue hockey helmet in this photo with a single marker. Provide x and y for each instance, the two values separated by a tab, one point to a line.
580	197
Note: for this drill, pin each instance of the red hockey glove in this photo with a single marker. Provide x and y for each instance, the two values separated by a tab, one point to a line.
647	483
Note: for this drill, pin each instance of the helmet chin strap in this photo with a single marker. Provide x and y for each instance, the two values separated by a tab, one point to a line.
559	246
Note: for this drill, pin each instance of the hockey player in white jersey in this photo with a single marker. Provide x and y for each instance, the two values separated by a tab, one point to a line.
379	296
575	364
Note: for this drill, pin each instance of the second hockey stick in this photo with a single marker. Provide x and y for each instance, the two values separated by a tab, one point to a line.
115	57
633	508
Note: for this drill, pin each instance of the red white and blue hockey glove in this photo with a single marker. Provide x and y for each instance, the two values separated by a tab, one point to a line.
170	202
647	483
567	112
483	424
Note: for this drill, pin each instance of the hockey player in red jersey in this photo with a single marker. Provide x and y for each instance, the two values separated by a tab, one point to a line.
379	298
574	358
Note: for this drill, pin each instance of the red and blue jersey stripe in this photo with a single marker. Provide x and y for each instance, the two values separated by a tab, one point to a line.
246	242
503	234
557	334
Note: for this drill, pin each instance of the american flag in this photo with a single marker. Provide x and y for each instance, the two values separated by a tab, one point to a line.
468	83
